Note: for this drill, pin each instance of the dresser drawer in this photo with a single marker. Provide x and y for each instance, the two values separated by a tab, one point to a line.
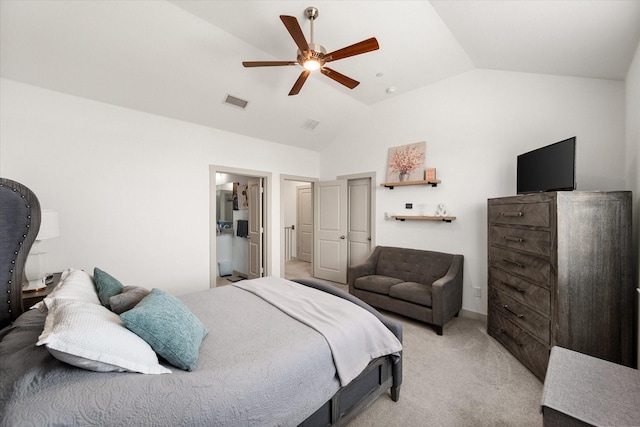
527	266
523	346
534	241
520	290
531	214
534	322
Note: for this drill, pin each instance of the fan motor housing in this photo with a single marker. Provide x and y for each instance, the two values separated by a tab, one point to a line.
315	51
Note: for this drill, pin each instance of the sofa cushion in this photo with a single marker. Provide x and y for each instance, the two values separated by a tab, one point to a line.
413	265
416	293
375	283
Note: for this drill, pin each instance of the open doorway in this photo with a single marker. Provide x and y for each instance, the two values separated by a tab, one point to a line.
239	224
358	236
296	211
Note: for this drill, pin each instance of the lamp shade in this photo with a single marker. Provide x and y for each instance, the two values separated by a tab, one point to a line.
49	225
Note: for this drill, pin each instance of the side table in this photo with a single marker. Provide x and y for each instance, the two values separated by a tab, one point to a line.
29	299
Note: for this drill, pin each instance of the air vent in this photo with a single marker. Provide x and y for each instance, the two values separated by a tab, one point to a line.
237	102
310	124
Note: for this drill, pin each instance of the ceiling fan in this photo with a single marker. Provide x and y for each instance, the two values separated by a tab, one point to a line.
313	56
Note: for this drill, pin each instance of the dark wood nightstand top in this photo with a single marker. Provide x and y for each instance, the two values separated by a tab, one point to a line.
31	298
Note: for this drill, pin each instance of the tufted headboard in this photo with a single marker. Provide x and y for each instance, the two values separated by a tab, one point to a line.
19	225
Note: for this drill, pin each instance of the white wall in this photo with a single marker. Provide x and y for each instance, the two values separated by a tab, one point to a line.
475	124
132	189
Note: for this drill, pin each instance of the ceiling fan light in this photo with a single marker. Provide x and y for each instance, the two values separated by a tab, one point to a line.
311	64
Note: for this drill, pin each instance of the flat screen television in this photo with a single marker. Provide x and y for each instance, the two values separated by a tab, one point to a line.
550	168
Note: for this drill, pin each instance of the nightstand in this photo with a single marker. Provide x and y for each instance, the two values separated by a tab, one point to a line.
34	297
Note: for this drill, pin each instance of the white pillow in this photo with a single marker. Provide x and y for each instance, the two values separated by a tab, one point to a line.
92	337
74	284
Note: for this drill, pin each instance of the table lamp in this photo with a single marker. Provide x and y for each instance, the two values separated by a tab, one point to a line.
34	269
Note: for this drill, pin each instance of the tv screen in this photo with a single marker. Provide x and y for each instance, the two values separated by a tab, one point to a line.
550	168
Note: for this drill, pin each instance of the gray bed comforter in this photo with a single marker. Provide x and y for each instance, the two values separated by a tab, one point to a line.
257	366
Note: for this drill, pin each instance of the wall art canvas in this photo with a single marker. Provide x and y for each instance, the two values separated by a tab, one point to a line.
406	162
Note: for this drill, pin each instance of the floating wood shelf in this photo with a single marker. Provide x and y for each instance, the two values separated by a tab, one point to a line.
433	183
424	218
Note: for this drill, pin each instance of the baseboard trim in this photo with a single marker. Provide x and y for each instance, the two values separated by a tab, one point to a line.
473	315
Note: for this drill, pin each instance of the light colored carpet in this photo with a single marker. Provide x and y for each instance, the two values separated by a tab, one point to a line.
463	378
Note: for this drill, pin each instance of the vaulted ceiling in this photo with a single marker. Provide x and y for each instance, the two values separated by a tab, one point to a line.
180	58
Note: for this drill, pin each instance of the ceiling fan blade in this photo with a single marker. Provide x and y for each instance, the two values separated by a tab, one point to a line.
340	78
267	63
355	49
298	84
296	32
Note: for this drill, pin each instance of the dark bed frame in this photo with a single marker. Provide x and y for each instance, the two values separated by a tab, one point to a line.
19	225
382	374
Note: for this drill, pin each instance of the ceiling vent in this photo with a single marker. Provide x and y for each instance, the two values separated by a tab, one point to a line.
310	124
237	102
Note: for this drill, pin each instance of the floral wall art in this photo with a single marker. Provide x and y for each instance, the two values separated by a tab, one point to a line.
406	162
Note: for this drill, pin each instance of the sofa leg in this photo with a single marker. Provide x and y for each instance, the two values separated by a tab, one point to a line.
456	315
438	329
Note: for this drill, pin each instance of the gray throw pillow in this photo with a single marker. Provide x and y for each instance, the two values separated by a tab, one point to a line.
127	299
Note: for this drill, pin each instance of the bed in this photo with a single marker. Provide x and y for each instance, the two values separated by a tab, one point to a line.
257	365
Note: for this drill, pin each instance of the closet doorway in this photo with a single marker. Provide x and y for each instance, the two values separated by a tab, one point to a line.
239	206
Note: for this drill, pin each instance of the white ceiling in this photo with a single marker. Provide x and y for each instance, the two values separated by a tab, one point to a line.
181	58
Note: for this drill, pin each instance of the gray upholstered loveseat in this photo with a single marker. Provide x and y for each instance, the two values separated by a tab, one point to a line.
423	285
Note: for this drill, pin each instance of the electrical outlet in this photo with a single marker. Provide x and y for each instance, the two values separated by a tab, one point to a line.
477	292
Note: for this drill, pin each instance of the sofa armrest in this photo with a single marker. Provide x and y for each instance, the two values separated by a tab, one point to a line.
447	292
365	268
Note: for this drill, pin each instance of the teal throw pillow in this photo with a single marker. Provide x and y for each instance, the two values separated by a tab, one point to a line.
167	325
106	285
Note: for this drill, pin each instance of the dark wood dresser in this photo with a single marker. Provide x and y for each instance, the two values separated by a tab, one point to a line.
560	273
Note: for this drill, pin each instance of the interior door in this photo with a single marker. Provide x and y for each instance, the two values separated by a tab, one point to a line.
255	187
330	231
304	234
359	226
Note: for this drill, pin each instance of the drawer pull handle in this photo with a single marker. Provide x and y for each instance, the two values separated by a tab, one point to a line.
512	213
513	239
516	263
512	339
515	288
510	310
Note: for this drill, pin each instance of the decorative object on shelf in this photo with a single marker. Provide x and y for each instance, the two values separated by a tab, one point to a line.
35	266
430	174
442	210
406	162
